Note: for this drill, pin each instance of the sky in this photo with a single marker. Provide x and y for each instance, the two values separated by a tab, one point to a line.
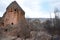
33	8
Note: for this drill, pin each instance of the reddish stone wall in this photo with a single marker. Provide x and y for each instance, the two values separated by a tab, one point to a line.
10	17
14	23
13	17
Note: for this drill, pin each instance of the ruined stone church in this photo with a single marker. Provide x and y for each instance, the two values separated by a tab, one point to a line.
13	22
14	13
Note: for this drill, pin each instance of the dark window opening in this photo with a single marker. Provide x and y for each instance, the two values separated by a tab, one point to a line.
15	10
6	30
18	36
12	23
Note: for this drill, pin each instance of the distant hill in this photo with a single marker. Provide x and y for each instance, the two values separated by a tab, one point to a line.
41	19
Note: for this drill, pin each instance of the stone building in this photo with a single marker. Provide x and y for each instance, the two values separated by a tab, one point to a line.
13	22
14	13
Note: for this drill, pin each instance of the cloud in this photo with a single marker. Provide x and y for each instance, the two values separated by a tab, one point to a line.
34	9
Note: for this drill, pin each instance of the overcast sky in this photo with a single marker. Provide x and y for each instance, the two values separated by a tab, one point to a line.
33	8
